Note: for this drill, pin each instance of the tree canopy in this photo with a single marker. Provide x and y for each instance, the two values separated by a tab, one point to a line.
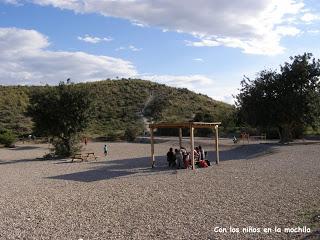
287	100
62	113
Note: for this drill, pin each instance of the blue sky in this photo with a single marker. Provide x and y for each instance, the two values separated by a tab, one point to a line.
205	45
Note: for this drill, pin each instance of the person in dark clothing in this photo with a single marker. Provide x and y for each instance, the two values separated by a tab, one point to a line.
201	153
196	154
171	158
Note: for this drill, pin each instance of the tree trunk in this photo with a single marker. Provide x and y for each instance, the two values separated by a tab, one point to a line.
67	146
285	133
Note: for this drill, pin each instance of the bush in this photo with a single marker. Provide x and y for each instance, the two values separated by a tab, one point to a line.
66	148
7	138
114	136
131	133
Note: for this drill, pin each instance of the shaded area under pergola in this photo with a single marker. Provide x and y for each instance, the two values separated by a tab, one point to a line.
191	126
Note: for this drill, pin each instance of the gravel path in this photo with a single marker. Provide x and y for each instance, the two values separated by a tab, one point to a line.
258	185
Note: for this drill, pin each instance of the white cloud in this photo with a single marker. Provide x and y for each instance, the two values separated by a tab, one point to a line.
134	49
192	81
287	31
314	31
266	46
250	25
25	59
14	2
75	5
310	17
197	83
92	39
138	24
120	48
198	60
130	47
204	42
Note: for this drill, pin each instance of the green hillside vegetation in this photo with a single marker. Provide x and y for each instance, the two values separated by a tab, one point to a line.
121	106
14	102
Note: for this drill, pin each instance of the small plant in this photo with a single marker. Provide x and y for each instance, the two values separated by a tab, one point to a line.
131	133
7	138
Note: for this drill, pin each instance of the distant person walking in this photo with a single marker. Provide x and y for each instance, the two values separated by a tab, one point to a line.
105	150
235	140
85	141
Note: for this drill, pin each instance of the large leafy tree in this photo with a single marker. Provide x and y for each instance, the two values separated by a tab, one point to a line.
61	113
287	100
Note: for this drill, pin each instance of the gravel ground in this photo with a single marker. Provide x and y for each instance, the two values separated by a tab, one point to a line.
257	185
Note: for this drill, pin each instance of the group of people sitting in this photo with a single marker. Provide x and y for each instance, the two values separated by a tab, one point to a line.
181	158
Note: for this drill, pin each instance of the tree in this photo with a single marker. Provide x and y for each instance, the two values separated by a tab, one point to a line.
61	113
202	116
288	100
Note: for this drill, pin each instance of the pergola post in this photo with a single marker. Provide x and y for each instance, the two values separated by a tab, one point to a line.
192	146
152	147
191	126
216	127
180	137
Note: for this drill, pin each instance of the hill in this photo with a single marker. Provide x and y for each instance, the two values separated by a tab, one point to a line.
14	102
121	105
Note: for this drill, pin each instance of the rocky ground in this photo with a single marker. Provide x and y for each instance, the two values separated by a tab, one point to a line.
255	186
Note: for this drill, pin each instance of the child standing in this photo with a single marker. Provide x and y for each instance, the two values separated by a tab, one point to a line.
105	150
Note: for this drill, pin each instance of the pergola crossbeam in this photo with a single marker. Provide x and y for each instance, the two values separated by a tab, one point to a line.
184	125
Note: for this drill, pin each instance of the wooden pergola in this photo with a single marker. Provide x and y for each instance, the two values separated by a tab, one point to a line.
191	126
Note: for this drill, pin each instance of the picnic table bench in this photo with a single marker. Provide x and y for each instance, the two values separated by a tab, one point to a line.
262	137
84	156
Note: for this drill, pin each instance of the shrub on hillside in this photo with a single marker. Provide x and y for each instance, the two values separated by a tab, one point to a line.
7	138
131	133
114	136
